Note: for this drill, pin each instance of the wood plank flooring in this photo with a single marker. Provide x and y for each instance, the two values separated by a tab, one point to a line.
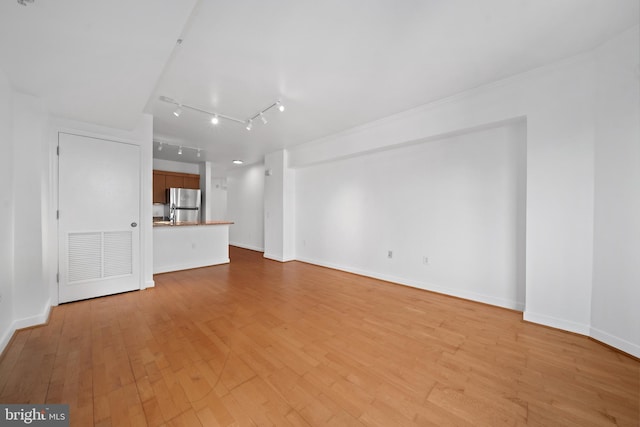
257	342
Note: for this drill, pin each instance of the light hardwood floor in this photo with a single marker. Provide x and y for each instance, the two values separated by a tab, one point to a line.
258	342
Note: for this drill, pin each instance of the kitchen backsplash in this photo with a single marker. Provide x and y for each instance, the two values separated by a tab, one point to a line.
158	210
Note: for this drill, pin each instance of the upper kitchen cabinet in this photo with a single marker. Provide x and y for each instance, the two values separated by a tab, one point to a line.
192	181
174	181
165	179
159	187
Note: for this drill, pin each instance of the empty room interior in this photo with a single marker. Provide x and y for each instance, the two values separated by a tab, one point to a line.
339	213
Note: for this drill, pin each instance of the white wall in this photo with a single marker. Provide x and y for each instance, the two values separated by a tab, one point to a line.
458	201
218	198
279	210
245	199
31	296
171	166
563	120
6	212
557	102
25	230
616	268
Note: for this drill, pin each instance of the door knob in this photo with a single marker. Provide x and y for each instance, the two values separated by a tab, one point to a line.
134	224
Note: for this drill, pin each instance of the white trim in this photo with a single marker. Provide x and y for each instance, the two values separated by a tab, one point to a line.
273	257
554	322
278	258
250	247
472	296
189	265
617	342
149	284
4	340
37	320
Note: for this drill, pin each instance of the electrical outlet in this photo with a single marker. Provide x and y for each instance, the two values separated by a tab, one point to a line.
425	260
389	254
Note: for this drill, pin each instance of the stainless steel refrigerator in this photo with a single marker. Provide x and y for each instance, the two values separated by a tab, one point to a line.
184	205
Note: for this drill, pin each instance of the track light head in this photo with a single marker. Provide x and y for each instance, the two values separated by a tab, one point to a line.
177	111
264	120
160	147
215	120
280	106
198	154
180	150
249	125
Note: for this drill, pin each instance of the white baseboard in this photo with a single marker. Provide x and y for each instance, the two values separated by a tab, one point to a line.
617	342
149	284
189	265
6	337
278	258
250	247
554	322
39	319
486	299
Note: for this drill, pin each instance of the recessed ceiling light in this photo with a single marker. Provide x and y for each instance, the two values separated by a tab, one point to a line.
238	162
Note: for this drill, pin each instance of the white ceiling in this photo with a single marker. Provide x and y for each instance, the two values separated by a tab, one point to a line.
335	64
95	61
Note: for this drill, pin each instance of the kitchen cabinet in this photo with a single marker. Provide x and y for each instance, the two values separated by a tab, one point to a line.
159	188
165	179
192	182
173	181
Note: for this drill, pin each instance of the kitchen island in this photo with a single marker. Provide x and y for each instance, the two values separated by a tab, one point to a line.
188	245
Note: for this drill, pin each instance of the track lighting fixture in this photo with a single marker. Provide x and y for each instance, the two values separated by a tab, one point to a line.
181	148
237	162
215	117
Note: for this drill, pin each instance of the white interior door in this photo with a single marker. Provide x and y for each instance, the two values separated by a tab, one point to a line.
99	212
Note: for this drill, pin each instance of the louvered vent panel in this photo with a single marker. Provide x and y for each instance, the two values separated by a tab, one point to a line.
117	253
85	256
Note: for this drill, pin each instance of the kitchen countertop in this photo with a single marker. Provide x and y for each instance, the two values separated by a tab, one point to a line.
181	224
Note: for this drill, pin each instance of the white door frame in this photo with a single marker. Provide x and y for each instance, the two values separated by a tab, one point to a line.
63	126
